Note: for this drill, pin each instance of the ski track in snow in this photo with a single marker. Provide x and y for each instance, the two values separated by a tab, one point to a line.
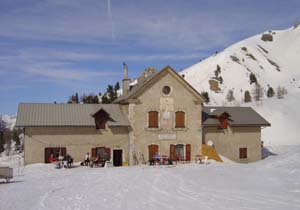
272	183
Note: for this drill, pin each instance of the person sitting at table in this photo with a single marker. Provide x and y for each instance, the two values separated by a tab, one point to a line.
52	158
69	160
156	158
87	159
95	162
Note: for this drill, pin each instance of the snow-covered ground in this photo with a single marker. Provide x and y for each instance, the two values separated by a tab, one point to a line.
273	183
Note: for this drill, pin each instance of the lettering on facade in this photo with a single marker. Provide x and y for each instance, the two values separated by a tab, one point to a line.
166	136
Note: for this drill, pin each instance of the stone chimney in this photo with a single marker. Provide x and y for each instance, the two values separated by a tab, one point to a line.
126	80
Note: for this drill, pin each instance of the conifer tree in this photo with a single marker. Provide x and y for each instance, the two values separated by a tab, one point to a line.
270	92
253	78
205	95
230	96
247	97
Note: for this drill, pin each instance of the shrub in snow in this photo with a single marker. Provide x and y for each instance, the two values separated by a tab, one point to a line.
253	79
205	95
281	91
258	92
247	97
270	92
230	96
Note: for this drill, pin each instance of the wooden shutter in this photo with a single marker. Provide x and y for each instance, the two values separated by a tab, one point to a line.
172	152
93	152
243	153
107	151
153	149
179	119
153	119
47	154
188	152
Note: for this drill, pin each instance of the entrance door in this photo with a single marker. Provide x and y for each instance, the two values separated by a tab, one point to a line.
153	150
117	157
179	152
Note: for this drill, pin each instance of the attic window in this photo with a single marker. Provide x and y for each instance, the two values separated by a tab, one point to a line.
166	90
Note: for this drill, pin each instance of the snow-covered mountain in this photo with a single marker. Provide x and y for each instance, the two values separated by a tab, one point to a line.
275	62
274	58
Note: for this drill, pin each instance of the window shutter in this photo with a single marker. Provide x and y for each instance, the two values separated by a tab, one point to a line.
172	152
153	119
179	119
93	152
188	152
107	151
47	154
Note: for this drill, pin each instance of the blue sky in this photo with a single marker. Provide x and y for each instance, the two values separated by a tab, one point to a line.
50	49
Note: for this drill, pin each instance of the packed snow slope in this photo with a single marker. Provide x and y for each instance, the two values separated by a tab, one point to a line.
274	58
273	183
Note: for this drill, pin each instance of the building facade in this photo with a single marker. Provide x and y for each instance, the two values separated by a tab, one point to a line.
160	115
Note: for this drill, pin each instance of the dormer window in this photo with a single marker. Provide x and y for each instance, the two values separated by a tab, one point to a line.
101	118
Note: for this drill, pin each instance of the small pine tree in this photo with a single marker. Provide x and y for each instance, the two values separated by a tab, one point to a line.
230	96
205	95
16	138
270	92
281	91
258	92
2	129
253	79
247	97
221	80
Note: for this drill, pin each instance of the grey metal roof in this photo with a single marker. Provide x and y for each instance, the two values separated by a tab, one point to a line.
240	116
45	114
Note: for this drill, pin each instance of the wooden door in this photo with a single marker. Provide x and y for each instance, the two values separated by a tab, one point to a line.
172	152
153	149
188	152
117	156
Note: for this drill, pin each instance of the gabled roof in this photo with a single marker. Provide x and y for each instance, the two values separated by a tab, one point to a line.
45	114
239	116
141	86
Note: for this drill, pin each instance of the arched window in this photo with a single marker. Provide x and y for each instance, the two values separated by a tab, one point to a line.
153	119
179	119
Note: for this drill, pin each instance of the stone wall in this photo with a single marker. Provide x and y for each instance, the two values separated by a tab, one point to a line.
228	141
77	140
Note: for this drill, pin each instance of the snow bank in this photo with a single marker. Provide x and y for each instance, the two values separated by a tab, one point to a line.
272	183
